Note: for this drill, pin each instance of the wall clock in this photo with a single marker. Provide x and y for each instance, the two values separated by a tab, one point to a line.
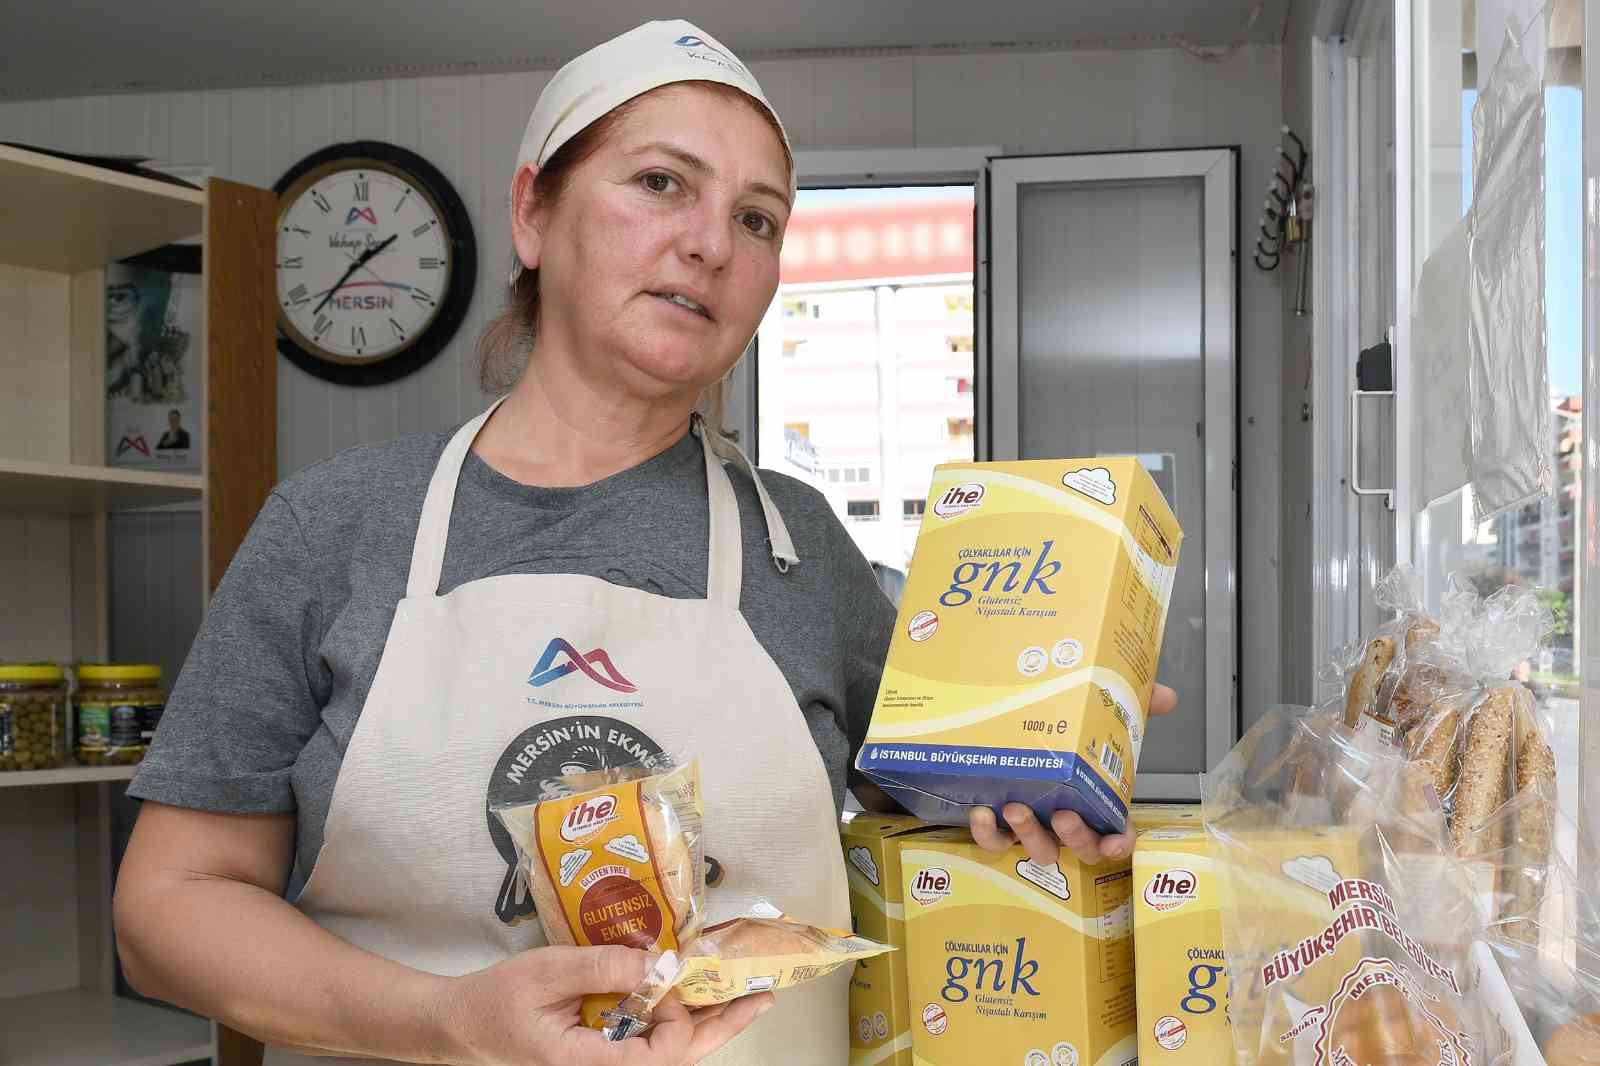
376	263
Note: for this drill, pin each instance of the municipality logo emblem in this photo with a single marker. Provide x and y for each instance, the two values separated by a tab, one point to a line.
560	659
690	43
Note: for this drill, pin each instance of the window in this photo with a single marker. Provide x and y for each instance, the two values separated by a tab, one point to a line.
819	349
1455	52
913	508
861	509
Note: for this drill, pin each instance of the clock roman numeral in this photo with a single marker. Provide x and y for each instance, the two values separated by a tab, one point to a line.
402	199
422	296
363	189
323	323
429	262
321	201
299	295
297	229
293	262
424	228
358	337
398	332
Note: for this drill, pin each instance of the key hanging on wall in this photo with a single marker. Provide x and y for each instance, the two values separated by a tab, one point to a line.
1285	222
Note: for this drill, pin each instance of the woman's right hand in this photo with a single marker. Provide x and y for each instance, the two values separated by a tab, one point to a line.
524	1012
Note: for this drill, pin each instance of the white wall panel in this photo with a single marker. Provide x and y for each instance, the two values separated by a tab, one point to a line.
865	103
470	127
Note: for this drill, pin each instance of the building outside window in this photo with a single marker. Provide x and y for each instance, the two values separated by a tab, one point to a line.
877	296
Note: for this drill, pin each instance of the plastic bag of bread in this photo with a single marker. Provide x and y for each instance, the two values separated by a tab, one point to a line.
614	857
1482	742
1351	931
1543	940
763	952
1409	661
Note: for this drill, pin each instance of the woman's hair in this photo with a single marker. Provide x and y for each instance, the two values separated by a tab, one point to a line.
508	341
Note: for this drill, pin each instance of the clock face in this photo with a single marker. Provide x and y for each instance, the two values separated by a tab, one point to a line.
376	263
364	259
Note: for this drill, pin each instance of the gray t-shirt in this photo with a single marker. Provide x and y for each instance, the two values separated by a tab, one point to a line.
264	708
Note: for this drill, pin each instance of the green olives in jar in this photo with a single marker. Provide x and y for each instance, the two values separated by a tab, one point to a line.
116	710
33	717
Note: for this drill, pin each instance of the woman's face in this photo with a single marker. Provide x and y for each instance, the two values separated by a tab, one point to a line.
659	259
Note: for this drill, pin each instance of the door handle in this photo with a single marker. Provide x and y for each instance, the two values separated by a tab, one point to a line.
1355	448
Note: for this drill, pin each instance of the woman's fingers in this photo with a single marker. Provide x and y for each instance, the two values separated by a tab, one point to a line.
986	830
1076	836
1116	846
1163	700
713	1030
1037	840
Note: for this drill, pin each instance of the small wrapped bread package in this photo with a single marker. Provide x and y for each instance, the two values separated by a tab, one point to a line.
1352	932
764	952
614	857
1371	672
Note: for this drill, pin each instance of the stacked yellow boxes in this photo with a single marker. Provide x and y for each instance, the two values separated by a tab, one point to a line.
1010	962
880	1028
1142	816
1177	924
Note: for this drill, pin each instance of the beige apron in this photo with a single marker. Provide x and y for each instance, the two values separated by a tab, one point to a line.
505	681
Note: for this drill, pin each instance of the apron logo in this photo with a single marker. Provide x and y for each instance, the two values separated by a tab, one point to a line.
607	674
550	749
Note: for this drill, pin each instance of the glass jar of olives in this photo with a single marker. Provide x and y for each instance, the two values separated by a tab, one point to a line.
33	717
116	709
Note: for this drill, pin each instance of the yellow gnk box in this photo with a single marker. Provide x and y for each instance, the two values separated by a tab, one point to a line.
1026	647
1177	929
880	1027
1012	963
1142	816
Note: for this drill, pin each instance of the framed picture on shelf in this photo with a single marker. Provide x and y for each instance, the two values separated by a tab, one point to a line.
153	360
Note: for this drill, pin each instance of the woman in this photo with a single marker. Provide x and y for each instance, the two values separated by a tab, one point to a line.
417	630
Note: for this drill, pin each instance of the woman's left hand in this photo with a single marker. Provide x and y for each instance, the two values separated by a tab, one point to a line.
1043	843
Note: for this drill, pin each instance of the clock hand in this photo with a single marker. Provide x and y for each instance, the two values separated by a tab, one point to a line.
357	265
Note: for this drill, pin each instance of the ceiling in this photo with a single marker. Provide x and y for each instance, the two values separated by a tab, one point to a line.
53	48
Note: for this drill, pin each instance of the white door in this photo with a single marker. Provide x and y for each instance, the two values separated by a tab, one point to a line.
1111	290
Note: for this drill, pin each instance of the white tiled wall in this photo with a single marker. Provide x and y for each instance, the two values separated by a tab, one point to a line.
469	126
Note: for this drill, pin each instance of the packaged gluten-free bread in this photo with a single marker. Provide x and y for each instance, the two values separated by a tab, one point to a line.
614	858
764	951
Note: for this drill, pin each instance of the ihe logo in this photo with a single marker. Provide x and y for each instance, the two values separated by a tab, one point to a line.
596	666
588	818
959	499
1170	889
365	214
930	885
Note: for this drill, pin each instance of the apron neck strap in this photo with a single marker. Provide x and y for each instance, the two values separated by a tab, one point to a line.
427	551
725	546
778	540
725	563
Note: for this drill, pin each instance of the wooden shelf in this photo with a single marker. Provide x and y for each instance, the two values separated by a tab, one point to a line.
67	775
70	217
63	488
79	1028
